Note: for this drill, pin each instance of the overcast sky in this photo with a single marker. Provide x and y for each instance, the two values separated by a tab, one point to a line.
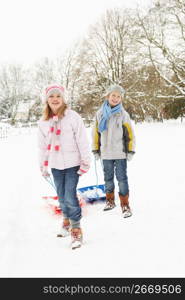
33	29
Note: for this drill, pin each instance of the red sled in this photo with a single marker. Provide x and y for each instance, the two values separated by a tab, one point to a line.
53	203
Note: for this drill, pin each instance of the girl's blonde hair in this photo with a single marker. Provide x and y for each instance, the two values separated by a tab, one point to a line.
47	112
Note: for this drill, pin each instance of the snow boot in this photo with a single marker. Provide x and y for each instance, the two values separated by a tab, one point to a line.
65	229
76	238
125	206
110	204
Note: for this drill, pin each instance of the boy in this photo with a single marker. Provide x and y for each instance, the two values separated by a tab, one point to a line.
114	142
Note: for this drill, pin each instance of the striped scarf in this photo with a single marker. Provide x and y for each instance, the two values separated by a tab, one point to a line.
53	139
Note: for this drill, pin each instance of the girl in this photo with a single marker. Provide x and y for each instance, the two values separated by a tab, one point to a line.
64	148
114	141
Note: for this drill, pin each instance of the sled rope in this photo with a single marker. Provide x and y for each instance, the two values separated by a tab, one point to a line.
50	181
96	173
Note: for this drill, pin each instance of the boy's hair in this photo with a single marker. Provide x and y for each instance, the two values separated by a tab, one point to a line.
112	88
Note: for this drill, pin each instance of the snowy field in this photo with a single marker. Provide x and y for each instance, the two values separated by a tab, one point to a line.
149	244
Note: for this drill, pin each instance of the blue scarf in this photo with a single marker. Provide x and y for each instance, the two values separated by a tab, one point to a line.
107	112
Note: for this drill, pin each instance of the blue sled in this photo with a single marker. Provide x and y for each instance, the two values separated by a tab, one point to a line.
89	188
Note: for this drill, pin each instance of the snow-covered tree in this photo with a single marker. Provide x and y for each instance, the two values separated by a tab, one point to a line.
163	35
13	90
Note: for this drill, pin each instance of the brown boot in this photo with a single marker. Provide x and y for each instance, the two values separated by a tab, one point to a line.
65	229
125	206
76	238
110	204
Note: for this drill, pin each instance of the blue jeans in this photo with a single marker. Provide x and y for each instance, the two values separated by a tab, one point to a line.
66	183
120	167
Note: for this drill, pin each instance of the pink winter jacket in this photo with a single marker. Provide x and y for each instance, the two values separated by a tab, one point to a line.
74	144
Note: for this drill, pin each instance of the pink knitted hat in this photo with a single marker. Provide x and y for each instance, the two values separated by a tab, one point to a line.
51	89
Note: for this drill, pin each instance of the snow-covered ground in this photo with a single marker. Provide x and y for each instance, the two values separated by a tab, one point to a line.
149	244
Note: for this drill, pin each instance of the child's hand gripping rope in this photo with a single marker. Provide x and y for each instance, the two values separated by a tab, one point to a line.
44	171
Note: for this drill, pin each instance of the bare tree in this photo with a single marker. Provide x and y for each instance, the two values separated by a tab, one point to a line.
44	73
70	67
110	45
105	57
